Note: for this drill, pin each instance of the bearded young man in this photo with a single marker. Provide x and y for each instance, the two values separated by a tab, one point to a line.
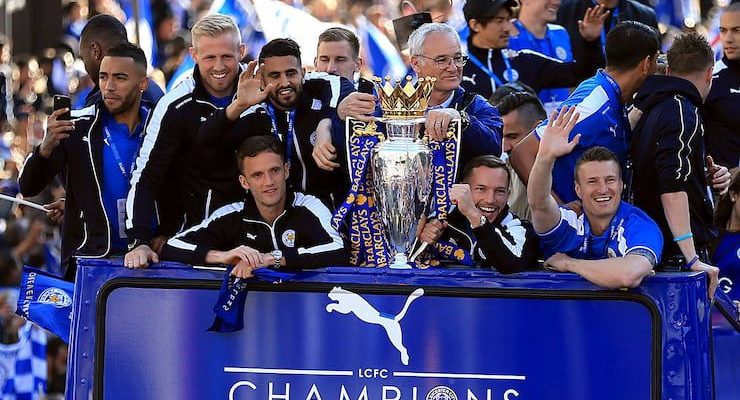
96	151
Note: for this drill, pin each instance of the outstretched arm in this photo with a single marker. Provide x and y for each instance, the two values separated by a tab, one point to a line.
554	144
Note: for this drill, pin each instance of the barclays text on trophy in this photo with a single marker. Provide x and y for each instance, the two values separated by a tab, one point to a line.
393	176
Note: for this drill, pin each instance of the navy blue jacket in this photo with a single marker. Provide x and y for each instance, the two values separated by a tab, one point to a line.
529	67
668	156
723	117
86	228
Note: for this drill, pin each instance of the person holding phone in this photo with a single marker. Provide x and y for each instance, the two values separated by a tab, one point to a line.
96	150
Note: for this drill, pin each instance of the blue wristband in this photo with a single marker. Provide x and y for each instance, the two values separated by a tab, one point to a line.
692	262
683	237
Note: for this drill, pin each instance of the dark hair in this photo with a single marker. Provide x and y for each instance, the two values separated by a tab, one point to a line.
690	53
724	205
630	42
527	104
254	145
337	34
732	7
508	88
105	29
487	161
596	153
280	48
128	50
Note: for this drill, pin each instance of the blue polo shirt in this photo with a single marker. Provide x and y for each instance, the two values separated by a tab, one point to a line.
727	259
555	44
631	230
120	148
602	122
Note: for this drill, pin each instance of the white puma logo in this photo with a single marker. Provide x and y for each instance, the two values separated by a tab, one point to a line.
348	302
734	91
470	79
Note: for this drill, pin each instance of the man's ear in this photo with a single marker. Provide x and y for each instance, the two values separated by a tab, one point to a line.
243	182
193	54
416	64
96	50
474	25
242	51
144	84
578	189
358	64
287	171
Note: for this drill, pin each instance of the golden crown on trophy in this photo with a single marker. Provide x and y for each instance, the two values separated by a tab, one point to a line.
404	100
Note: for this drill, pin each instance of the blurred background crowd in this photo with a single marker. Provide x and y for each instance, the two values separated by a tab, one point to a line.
39	57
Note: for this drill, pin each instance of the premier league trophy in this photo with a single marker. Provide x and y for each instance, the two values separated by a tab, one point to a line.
396	177
402	164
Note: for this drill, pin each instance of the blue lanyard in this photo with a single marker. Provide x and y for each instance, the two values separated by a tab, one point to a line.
490	73
117	155
615	19
291	130
533	39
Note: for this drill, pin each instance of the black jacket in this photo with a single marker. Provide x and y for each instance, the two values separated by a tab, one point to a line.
571	11
302	232
668	154
531	68
186	181
723	114
86	228
319	98
507	244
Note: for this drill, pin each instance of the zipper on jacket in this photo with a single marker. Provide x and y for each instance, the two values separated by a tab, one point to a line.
208	204
100	192
270	227
84	230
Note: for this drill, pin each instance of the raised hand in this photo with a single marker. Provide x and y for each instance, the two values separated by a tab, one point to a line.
461	196
719	176
592	23
56	131
555	142
249	91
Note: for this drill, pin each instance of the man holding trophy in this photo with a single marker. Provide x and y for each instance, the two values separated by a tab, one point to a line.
395	182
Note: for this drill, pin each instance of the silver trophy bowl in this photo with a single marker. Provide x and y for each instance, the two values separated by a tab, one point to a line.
402	176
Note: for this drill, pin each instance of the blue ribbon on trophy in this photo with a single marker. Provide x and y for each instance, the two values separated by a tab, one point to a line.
367	243
445	154
232	297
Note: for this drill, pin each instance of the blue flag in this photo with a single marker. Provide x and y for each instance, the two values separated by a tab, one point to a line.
46	300
232	298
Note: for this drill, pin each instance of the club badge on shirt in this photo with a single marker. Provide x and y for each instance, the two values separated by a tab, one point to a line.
561	53
289	238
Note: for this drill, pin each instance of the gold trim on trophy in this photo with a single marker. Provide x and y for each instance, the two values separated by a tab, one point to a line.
404	100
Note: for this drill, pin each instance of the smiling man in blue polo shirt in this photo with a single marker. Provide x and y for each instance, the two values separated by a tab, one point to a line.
96	150
612	244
